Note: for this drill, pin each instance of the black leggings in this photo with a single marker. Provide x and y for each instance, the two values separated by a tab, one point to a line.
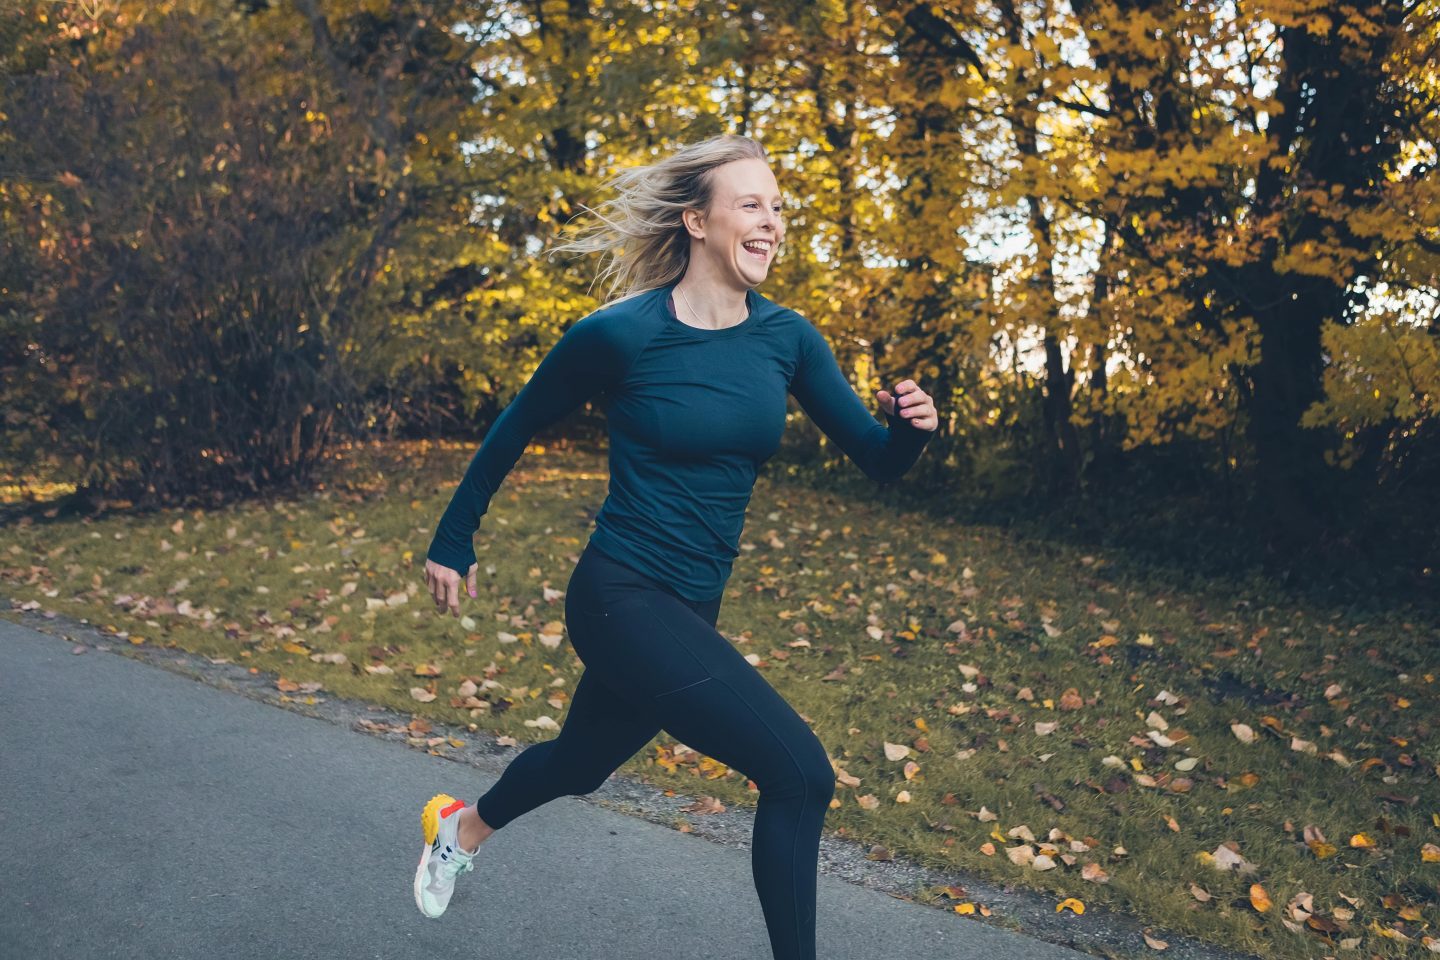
654	661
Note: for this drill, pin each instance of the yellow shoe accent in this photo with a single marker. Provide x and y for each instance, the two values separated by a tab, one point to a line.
430	816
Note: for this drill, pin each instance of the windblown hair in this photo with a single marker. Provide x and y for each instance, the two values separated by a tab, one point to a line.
644	241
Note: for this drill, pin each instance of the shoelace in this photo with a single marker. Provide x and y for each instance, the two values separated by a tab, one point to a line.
458	863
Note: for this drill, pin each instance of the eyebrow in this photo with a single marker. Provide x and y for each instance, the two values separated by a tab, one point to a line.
747	196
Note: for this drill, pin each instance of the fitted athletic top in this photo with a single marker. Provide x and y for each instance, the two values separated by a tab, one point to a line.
692	414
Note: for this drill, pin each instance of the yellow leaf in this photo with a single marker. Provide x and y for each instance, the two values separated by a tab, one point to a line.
1430	853
965	908
1363	841
1071	903
1322	849
292	647
1259	899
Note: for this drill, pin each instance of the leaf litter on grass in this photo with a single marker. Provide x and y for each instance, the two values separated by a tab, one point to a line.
1187	752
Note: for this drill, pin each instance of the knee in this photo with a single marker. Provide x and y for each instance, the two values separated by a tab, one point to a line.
813	777
581	785
820	778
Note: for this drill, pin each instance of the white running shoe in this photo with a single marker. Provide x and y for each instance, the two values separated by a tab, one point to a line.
442	860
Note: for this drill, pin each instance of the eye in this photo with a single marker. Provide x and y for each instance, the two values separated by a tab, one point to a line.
752	203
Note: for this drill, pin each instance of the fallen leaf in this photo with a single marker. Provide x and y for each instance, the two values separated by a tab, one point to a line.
1070	903
1430	853
1242	732
421	694
896	751
705	805
1259	899
1094	873
1154	943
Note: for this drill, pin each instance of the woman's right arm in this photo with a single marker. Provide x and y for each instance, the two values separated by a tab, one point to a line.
586	360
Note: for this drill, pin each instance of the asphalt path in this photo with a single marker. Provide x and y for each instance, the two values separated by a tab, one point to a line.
144	814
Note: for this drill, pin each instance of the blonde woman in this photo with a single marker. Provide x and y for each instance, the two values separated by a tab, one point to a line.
692	366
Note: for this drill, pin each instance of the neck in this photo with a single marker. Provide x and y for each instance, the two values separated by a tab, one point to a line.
709	301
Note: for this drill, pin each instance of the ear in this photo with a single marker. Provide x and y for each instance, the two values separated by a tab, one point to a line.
694	222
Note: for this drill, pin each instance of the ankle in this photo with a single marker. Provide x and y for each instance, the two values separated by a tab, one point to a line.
473	831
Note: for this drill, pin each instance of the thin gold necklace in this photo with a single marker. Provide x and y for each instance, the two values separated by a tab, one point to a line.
697	316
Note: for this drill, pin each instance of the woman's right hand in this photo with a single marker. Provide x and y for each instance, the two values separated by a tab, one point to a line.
444	585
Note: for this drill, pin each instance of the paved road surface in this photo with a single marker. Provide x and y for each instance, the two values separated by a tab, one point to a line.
145	815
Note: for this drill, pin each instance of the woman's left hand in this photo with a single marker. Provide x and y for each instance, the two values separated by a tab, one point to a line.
914	404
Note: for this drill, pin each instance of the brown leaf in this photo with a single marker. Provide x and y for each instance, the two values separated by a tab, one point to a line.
704	805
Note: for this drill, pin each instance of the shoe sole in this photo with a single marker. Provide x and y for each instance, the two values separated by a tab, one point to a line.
430	825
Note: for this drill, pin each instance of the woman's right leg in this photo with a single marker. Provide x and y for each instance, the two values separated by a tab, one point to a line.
602	730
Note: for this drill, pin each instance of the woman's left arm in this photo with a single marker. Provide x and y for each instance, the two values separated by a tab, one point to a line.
827	397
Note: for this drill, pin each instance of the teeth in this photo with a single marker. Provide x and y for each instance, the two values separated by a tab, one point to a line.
759	246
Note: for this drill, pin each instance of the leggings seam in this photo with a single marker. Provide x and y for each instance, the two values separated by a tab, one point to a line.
684	688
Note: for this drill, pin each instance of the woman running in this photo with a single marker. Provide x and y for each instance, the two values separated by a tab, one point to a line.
692	366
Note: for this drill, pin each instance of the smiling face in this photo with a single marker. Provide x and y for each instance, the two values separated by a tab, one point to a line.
743	226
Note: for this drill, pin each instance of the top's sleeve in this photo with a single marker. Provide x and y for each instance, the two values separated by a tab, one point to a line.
586	360
883	453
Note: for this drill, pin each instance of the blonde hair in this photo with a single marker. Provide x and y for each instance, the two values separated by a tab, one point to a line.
640	231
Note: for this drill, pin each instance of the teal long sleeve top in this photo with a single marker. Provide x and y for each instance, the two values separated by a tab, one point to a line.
692	414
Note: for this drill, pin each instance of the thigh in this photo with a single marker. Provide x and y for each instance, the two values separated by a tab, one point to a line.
739	719
719	704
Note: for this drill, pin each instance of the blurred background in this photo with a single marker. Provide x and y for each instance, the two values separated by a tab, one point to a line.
1170	271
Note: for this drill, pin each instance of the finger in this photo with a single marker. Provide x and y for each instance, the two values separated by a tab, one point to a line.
455	598
442	592
470	580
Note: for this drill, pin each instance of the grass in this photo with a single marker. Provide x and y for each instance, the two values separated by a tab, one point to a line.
1075	697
